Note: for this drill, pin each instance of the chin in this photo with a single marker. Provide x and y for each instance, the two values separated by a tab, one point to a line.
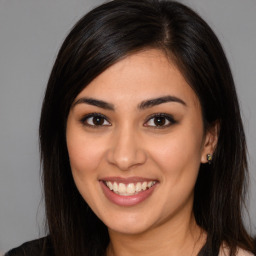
130	224
129	229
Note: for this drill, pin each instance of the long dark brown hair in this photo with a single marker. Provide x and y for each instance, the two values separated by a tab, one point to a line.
101	38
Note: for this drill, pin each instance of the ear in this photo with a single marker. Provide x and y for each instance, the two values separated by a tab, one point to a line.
210	141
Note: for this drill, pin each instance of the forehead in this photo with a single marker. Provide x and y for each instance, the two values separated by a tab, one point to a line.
145	74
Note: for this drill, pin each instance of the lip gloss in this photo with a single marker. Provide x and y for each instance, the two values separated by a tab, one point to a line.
130	200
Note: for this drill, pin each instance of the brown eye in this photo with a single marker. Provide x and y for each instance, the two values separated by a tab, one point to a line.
160	121
95	120
98	120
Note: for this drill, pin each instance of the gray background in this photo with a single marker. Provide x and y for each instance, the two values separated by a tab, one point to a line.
31	32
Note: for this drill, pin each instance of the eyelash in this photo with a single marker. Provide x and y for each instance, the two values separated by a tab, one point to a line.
85	119
167	118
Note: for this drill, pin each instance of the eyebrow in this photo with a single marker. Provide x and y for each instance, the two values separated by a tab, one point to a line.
157	101
143	105
94	102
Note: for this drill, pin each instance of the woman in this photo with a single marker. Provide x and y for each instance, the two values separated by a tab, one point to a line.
142	144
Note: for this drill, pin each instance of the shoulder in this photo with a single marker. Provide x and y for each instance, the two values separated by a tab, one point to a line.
39	247
242	252
224	251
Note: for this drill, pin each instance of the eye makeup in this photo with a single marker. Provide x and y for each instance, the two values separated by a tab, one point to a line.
160	121
155	121
95	120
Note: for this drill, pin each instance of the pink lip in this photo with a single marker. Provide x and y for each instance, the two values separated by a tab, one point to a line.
126	200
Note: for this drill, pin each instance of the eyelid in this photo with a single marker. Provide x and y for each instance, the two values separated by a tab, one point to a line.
95	114
168	117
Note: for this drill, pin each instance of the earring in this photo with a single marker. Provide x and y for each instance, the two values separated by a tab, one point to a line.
209	158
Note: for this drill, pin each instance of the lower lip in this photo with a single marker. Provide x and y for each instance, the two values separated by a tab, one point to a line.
126	200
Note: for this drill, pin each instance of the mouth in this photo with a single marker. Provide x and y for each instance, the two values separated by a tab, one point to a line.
129	189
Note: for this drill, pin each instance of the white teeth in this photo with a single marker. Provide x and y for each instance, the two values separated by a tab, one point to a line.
109	184
115	187
130	188
121	188
138	187
144	185
150	184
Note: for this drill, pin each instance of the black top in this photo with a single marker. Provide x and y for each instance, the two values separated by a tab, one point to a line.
36	248
33	248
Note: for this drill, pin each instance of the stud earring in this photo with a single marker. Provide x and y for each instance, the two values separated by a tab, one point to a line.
209	158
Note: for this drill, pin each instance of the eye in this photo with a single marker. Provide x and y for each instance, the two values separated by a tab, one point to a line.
160	121
95	120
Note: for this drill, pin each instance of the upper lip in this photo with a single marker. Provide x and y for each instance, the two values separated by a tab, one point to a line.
127	180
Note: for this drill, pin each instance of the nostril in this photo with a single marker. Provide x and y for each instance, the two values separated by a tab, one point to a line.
127	158
125	148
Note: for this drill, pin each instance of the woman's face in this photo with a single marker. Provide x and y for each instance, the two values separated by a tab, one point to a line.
135	139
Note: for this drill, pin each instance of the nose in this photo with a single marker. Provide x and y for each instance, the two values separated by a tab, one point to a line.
126	150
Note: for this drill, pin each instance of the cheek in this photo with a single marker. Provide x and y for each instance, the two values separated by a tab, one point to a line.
178	158
179	155
84	154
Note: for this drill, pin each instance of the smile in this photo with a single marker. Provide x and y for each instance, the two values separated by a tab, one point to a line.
130	188
127	191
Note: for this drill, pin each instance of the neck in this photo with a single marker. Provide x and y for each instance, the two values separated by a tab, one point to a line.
169	239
